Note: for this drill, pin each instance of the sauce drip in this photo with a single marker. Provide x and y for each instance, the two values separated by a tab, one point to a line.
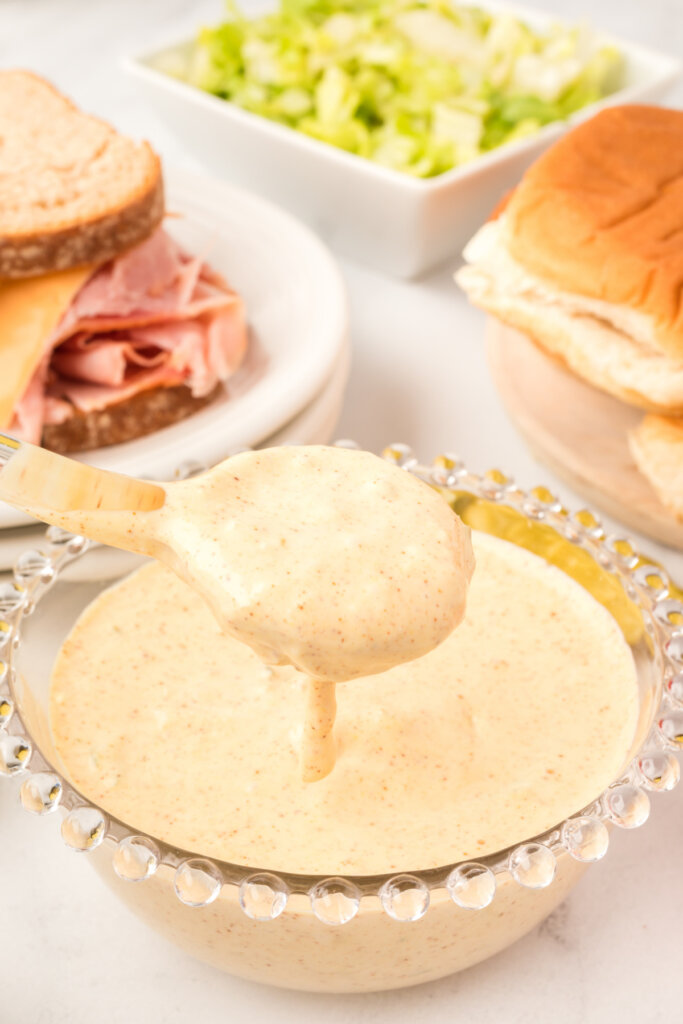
330	560
318	752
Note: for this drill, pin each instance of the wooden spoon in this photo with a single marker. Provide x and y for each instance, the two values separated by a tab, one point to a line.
74	496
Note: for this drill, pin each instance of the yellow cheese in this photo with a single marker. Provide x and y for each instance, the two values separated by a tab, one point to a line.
30	310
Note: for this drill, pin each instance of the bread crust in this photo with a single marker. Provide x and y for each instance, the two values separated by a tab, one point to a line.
84	244
600	214
657	447
138	416
97	196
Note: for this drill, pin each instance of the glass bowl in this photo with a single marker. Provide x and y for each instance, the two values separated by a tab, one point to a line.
352	933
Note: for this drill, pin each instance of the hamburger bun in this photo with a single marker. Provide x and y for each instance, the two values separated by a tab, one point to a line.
600	214
589	346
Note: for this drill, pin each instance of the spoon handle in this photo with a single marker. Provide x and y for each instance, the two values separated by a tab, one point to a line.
8	448
75	496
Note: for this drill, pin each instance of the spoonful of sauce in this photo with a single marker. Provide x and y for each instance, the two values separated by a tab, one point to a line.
328	559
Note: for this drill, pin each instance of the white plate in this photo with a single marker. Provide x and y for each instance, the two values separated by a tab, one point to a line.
298	316
313	425
384	218
316	424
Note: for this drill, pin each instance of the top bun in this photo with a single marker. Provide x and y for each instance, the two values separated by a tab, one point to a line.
600	214
72	190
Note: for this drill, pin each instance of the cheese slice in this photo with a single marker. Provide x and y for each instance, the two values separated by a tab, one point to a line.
30	310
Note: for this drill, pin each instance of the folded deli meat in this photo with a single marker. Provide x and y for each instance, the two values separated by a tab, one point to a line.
153	317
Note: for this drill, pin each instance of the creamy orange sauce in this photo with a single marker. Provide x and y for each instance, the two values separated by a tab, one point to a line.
519	718
328	559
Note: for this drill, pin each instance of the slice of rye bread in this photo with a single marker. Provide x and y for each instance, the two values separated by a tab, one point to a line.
142	414
72	190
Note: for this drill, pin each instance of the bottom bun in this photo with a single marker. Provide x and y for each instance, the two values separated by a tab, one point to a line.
135	417
591	348
657	447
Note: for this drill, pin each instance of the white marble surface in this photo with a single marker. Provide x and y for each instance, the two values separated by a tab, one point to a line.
69	954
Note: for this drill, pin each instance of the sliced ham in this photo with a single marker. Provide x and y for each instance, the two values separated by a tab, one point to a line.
104	360
29	413
154	317
90	397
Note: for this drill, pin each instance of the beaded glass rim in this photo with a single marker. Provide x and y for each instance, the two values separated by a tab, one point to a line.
263	895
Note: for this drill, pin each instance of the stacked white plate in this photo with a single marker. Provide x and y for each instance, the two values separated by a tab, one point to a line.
291	387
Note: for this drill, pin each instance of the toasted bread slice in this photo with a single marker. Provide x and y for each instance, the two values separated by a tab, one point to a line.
134	417
72	190
657	447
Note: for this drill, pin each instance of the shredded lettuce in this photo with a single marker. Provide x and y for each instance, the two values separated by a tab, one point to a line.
420	86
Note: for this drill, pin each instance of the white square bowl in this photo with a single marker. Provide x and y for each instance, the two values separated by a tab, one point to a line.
381	217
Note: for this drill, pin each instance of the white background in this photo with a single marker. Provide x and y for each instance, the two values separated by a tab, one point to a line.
68	952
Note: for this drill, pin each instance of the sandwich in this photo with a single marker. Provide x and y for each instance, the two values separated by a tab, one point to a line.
586	258
109	330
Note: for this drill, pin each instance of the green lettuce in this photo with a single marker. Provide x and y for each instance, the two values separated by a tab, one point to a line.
420	86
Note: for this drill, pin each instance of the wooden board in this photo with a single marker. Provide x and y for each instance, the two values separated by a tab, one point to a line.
578	432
